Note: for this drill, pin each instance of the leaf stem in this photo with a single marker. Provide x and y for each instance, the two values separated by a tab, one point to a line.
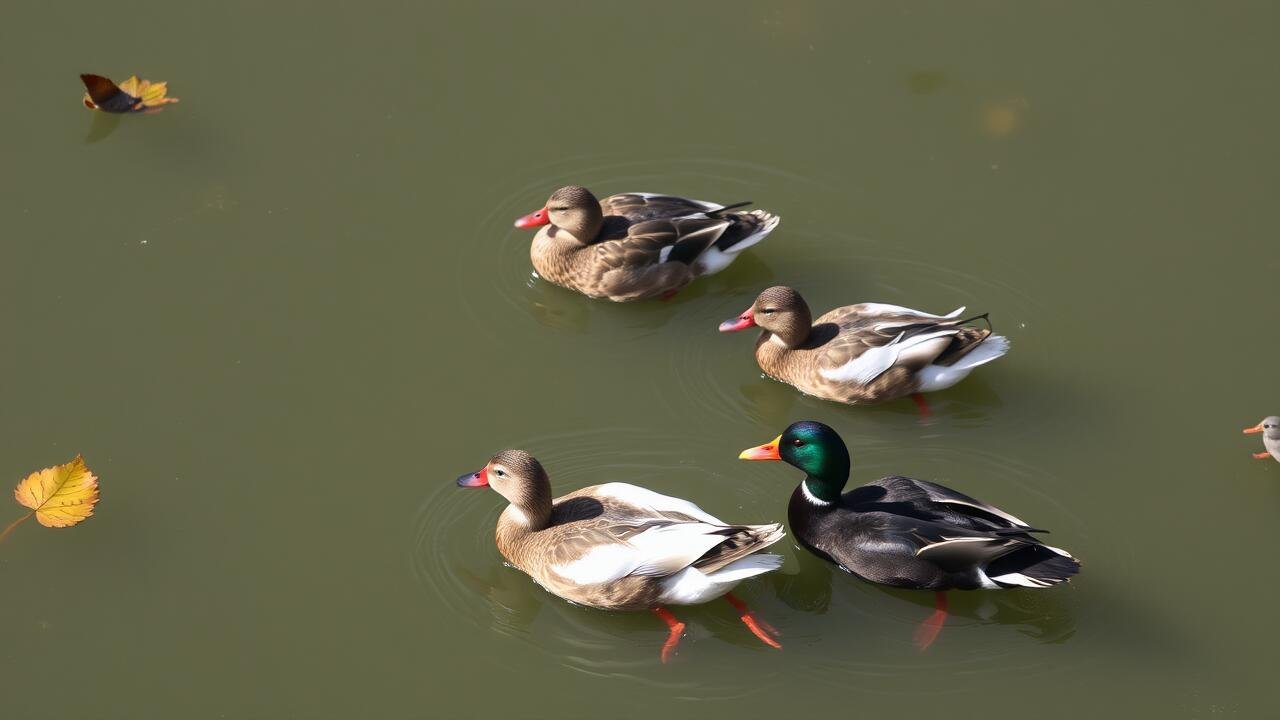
5	533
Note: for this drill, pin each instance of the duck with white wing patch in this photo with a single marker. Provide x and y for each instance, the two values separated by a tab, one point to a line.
621	547
865	353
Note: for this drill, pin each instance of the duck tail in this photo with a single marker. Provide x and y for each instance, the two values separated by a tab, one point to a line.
984	317
1033	566
726	208
740	541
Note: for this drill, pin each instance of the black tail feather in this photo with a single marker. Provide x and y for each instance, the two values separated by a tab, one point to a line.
734	206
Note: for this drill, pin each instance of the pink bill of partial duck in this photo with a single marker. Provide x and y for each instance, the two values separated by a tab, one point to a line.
534	219
742	322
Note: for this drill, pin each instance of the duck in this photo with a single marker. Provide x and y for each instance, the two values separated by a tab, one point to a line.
865	353
637	246
618	546
1271	438
904	532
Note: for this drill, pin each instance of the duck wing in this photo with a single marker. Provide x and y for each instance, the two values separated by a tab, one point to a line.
953	548
643	533
872	338
915	550
931	501
638	207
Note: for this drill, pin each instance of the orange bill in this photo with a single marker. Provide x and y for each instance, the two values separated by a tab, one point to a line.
768	451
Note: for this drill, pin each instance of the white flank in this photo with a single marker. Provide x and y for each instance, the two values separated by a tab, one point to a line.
714	259
939	377
660	550
603	563
874	362
691	586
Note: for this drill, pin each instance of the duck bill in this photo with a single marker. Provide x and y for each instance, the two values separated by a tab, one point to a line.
534	219
1255	429
742	322
479	478
768	451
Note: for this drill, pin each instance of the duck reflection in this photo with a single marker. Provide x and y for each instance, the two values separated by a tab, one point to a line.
1040	616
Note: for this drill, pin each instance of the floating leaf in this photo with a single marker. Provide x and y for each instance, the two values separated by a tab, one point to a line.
60	496
132	95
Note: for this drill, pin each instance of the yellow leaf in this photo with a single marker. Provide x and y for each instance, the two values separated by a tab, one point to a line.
130	86
62	495
131	96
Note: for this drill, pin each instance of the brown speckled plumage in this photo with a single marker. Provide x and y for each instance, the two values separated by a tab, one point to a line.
540	535
636	246
798	351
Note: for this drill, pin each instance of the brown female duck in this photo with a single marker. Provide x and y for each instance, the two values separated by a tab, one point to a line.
622	547
864	353
636	246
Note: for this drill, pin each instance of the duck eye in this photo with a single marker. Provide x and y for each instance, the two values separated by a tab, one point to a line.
499	473
767	311
797	442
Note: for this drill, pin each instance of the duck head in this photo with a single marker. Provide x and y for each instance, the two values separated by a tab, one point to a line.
573	209
1270	426
519	477
814	448
778	310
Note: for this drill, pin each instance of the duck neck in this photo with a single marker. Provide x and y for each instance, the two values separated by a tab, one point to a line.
585	226
794	328
825	489
532	511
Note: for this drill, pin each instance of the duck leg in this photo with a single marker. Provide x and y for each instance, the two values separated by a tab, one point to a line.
664	297
1261	455
923	406
928	630
673	638
758	627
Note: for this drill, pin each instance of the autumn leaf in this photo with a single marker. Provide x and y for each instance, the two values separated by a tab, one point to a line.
131	96
59	496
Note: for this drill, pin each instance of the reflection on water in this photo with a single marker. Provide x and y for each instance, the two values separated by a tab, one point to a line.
101	125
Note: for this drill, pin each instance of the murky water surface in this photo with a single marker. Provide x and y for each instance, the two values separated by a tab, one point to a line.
279	318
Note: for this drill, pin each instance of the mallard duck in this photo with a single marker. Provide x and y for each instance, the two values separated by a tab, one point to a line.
865	353
621	547
1271	440
636	246
904	532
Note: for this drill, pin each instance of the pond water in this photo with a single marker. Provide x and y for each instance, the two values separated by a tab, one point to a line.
279	318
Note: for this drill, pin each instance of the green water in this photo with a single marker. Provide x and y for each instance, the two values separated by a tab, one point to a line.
280	318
